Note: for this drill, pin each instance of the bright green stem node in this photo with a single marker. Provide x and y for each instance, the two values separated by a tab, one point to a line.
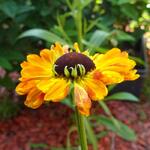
81	130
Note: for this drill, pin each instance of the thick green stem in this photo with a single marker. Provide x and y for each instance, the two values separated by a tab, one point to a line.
81	130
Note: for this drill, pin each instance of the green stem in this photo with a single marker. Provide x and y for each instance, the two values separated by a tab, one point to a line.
81	130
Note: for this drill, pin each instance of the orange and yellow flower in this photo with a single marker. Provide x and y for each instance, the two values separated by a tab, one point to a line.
48	77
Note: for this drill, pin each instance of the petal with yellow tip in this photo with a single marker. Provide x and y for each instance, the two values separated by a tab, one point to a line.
24	87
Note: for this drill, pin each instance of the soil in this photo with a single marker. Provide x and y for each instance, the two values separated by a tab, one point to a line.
47	127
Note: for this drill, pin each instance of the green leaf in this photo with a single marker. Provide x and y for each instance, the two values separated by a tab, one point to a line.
123	36
130	11
120	2
105	108
38	145
42	34
25	9
123	131
122	96
71	129
85	3
5	63
90	134
138	60
98	38
9	8
67	101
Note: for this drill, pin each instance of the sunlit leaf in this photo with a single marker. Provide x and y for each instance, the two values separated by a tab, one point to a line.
123	131
122	96
98	38
42	34
123	36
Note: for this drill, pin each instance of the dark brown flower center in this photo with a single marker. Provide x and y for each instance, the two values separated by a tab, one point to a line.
73	60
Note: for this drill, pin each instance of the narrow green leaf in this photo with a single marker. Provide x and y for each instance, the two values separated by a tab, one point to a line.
38	145
91	135
105	108
122	96
123	36
120	2
67	101
85	3
98	38
72	129
138	60
42	34
130	11
124	131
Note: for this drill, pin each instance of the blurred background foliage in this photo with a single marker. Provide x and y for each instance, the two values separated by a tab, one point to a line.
96	24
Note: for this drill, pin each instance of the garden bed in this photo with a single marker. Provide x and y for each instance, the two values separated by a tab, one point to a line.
46	127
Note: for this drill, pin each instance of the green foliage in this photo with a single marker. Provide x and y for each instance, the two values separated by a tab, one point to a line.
121	129
122	96
7	82
65	21
92	25
43	34
91	135
38	145
8	109
71	129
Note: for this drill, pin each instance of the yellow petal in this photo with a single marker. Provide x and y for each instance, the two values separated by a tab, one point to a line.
95	88
76	46
33	59
132	75
48	56
82	100
108	77
114	66
34	99
58	49
55	89
35	72
38	67
24	87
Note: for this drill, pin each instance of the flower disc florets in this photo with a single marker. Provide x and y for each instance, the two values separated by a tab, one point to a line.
73	64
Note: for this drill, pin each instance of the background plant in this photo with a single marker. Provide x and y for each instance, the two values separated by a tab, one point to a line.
95	24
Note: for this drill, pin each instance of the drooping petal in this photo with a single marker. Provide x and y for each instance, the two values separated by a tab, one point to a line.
82	100
34	99
95	88
24	87
115	66
55	89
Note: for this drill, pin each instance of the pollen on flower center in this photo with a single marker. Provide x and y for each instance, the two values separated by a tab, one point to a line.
73	64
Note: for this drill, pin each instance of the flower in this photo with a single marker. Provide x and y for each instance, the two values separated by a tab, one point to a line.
48	77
